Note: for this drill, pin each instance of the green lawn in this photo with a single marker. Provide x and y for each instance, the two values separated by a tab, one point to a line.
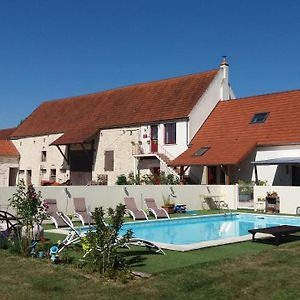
244	270
241	271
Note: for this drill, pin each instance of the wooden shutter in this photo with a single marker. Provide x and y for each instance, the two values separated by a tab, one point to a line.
109	160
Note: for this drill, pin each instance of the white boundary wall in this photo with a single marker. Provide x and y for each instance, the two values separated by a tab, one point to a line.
110	196
289	196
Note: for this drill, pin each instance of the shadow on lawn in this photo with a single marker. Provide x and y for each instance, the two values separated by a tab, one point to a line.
136	258
282	240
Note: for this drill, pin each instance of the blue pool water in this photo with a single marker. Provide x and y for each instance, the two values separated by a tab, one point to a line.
190	230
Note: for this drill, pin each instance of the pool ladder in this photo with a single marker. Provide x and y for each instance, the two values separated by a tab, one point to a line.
225	208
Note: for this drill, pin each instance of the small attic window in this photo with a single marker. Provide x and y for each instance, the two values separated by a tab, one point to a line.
201	151
259	118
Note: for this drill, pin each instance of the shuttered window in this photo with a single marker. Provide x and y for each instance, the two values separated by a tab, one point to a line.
109	160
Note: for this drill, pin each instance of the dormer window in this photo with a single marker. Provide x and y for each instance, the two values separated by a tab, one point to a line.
201	151
259	118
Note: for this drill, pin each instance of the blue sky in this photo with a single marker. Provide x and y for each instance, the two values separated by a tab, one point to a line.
60	48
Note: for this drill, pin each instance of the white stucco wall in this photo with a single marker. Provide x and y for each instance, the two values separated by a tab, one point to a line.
274	175
110	196
289	196
30	150
217	89
7	162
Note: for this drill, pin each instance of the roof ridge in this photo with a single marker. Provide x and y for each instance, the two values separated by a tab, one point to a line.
130	86
261	95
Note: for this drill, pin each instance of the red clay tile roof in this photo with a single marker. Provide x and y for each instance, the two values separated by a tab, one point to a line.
5	133
162	100
230	135
7	148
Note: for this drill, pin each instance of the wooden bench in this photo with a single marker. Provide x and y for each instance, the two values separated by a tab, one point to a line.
276	231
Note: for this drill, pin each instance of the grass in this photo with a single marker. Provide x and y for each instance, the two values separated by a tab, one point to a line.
237	271
240	271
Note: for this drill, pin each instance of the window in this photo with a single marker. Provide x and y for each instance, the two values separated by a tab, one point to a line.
259	118
53	174
109	160
170	133
201	151
44	156
43	171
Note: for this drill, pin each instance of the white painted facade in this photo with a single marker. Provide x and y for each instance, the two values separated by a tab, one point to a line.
219	89
280	175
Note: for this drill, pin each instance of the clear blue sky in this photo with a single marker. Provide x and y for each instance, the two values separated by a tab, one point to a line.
59	48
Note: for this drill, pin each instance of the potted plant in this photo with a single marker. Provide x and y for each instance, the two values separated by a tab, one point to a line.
168	205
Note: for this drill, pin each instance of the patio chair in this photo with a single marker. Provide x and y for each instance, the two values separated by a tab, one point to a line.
131	208
156	211
52	210
81	211
76	235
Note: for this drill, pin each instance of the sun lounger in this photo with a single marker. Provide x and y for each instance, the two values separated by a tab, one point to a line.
157	212
137	214
75	236
277	231
52	210
81	211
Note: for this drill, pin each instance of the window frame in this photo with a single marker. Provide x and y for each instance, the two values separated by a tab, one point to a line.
202	151
43	156
109	165
170	133
256	115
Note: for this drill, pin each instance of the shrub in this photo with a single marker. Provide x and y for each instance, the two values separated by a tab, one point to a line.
31	211
103	245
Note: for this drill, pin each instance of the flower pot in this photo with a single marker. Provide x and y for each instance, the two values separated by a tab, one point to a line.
169	209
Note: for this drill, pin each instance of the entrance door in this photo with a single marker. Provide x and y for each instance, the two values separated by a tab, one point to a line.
81	163
13	173
154	138
211	175
295	176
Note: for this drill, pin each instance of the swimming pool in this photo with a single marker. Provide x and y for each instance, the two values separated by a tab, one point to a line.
190	233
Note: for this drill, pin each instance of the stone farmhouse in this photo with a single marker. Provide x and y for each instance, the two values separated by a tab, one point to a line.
253	138
9	159
96	137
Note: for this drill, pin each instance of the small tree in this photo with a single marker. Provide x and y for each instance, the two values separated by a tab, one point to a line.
30	210
103	245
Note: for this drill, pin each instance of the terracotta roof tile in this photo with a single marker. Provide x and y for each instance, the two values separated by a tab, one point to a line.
7	148
5	133
231	136
137	104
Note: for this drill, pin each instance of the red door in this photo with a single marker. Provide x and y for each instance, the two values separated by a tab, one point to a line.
154	138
